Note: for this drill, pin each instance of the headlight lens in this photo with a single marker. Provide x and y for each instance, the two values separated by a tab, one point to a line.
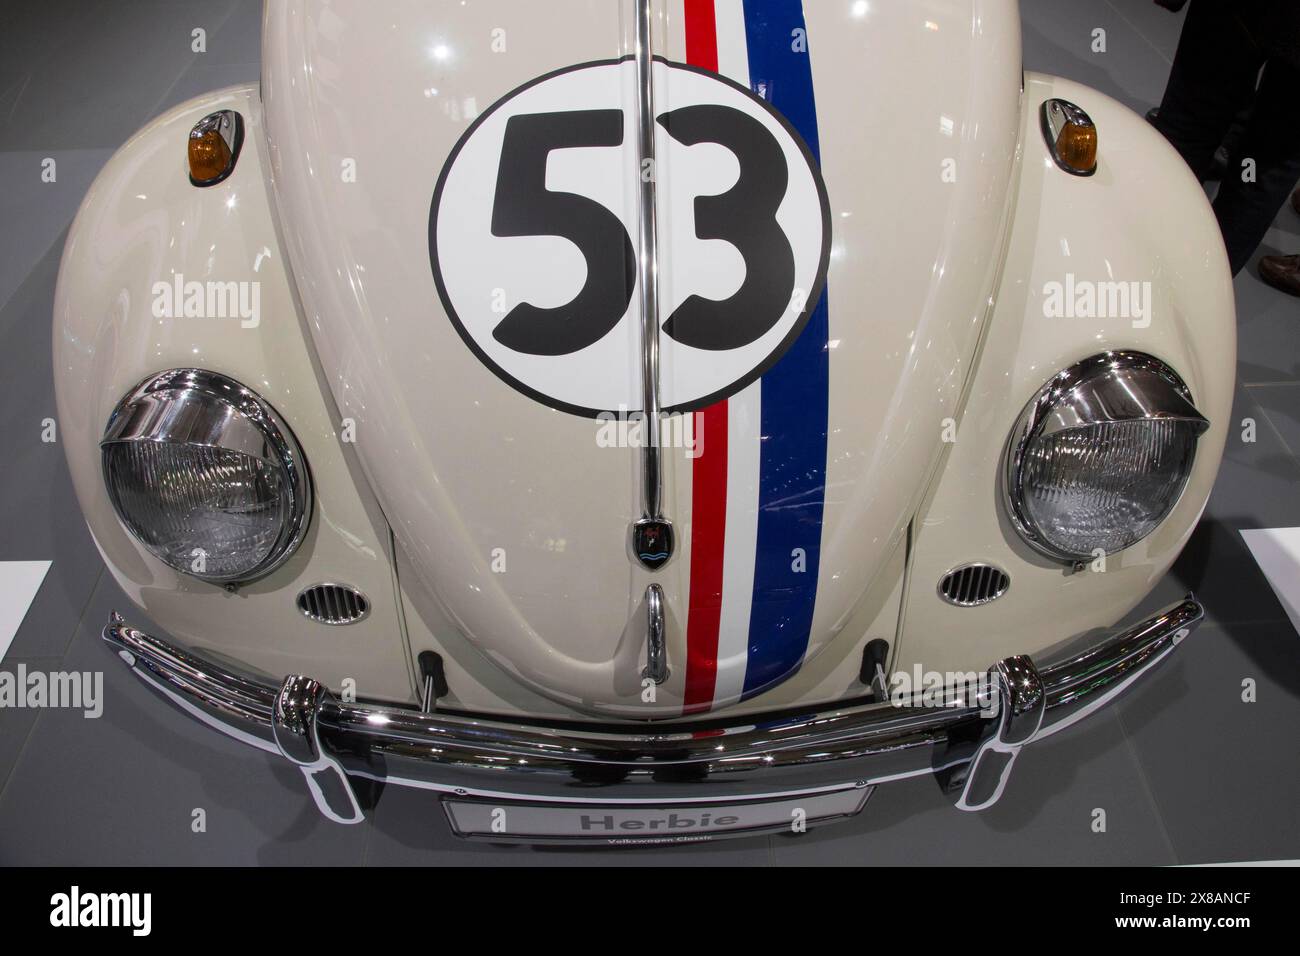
1101	456
206	476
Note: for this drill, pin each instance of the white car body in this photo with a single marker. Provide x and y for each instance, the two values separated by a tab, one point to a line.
491	528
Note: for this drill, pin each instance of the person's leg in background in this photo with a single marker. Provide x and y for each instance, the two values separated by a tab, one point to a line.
1283	272
1271	145
1213	79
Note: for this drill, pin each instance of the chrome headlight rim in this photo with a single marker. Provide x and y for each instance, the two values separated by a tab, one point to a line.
172	407
1052	395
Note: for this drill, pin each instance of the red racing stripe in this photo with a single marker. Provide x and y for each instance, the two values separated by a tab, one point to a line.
701	34
708	538
709	474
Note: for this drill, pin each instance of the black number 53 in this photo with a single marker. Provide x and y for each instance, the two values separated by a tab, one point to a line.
744	216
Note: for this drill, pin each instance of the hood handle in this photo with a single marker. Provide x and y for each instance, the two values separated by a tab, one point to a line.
656	667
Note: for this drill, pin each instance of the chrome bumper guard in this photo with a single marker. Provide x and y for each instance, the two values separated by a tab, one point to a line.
968	737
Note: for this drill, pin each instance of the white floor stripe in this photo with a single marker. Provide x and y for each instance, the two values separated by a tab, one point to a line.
1251	863
19	582
744	422
1277	550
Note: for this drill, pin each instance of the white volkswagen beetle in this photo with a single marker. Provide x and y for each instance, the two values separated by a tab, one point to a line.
580	410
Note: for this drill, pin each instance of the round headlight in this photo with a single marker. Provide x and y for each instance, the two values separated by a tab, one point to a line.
1101	456
207	476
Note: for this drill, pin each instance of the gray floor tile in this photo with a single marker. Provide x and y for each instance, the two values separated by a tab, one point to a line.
1281	403
38	510
1225	774
1157	26
15	723
1258	479
203	78
1268	329
12	85
1058	39
1044	817
93	71
122	788
44	209
239	39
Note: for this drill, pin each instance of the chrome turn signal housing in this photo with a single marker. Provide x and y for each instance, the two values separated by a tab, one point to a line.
1071	137
206	475
214	146
1101	456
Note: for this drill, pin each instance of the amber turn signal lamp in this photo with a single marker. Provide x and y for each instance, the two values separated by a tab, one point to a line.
214	146
1077	147
1071	136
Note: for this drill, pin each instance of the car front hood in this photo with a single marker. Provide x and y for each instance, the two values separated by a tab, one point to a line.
436	268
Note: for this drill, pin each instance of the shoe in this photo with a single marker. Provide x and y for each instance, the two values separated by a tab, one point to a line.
1281	272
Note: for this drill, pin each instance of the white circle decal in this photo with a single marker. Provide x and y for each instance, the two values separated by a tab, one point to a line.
533	225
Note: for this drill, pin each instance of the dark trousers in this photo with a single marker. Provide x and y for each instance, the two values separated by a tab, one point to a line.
1219	59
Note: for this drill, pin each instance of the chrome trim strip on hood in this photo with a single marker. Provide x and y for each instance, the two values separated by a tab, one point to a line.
648	269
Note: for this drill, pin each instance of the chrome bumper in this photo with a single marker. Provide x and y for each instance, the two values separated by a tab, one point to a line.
968	737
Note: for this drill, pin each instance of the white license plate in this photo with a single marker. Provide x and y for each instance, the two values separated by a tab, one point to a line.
637	824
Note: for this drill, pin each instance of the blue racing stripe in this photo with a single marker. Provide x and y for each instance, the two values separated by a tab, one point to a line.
795	409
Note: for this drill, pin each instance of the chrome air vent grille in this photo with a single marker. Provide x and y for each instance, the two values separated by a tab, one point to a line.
974	584
333	604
